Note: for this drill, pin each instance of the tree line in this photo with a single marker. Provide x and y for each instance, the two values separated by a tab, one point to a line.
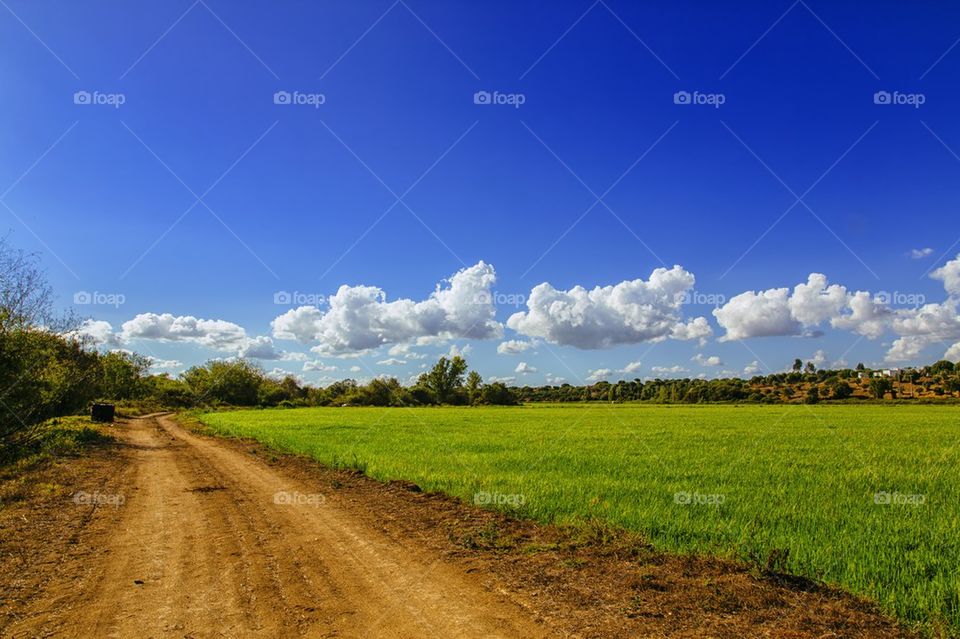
804	383
46	373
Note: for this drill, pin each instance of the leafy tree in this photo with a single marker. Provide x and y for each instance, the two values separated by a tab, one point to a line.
445	379
942	366
497	394
122	375
813	395
840	390
811	368
952	385
42	373
797	365
235	382
880	386
168	393
473	386
26	298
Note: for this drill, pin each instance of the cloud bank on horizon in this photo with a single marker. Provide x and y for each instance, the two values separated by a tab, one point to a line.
360	320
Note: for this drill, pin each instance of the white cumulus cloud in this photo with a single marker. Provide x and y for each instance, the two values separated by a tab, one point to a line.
949	274
95	333
513	346
953	353
599	375
164	364
757	314
713	360
360	318
669	370
317	365
404	350
632	367
260	347
626	313
524	369
779	312
214	334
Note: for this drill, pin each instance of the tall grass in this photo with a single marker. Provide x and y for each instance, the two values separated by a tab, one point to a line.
864	497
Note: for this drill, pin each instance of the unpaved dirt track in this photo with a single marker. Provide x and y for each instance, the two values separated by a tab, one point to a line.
203	550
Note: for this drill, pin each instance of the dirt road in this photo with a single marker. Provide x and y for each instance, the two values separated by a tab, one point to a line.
176	534
214	543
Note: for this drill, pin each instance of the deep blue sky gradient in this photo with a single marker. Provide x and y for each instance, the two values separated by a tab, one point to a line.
399	98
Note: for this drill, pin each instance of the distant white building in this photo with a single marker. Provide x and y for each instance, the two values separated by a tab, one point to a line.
887	372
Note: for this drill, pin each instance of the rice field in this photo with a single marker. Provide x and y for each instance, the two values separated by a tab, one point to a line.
863	497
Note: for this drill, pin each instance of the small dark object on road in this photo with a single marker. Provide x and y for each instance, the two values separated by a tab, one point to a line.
102	413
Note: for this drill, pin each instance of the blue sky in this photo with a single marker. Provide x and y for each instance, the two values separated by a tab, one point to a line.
202	197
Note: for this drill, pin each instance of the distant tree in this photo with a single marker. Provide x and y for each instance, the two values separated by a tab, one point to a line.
880	386
473	386
811	368
445	378
170	393
497	394
942	366
861	367
952	385
42	373
840	390
236	383
26	298
797	365
122	375
813	395
379	392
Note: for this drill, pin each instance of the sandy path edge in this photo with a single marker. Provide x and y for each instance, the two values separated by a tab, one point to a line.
215	543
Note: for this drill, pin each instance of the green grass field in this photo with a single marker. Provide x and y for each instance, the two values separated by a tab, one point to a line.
740	481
